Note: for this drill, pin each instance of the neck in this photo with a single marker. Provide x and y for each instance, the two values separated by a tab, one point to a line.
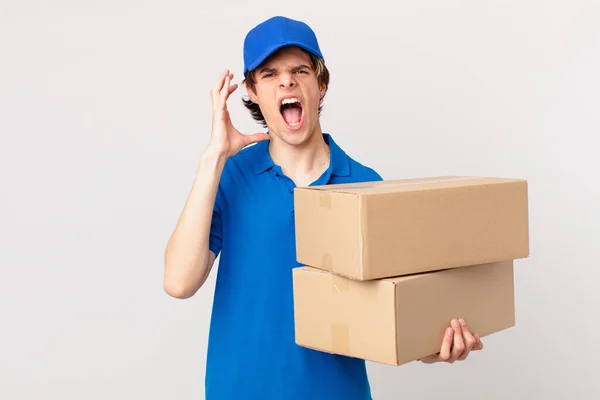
302	163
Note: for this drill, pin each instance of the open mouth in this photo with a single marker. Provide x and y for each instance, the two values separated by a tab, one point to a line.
291	111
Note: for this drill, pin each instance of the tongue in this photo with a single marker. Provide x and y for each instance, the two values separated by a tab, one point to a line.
292	114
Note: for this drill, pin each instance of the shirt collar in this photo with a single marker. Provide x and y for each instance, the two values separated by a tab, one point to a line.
262	161
339	164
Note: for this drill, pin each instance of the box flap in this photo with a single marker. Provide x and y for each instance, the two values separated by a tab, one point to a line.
405	185
335	277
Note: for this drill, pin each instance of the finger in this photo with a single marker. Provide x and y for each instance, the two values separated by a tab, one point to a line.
225	88
215	91
468	337
458	345
219	84
446	345
232	88
444	353
227	83
256	137
228	88
478	342
430	359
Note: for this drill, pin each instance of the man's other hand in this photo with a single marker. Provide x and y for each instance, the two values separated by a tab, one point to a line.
458	342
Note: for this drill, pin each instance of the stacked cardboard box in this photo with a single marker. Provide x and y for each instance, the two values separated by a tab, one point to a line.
388	264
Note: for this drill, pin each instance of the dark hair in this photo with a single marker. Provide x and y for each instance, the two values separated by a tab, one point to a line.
322	77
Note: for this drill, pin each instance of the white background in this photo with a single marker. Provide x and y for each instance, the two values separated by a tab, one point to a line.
105	109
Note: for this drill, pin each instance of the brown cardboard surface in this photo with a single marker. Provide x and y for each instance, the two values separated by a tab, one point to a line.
382	229
397	320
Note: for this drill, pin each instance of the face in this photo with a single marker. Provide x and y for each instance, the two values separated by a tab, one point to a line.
288	94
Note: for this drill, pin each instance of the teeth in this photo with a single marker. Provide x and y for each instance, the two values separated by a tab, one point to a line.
290	101
294	124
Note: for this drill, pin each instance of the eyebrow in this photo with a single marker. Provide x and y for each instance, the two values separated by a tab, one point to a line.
299	67
272	70
265	69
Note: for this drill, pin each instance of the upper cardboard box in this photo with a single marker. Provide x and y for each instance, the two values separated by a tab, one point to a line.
390	228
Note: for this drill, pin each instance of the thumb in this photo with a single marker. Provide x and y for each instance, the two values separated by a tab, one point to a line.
256	137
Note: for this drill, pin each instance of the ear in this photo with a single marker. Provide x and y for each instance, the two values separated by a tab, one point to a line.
251	94
323	90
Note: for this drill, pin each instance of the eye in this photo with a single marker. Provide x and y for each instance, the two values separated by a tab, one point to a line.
267	75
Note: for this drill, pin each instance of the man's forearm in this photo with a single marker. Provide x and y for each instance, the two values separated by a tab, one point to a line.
188	259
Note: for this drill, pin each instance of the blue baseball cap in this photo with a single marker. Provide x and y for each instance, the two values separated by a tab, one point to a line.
273	34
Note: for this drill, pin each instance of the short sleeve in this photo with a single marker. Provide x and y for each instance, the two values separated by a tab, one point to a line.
370	175
216	225
375	175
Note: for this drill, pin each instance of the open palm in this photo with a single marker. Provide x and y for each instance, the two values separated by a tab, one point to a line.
225	138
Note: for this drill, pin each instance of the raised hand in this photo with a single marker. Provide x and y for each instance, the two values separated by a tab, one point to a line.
225	138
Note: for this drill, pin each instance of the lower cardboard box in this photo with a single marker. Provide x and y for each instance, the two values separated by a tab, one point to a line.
398	320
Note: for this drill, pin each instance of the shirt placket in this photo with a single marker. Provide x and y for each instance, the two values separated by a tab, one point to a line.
287	187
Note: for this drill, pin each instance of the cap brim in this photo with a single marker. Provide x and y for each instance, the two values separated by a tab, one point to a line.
273	49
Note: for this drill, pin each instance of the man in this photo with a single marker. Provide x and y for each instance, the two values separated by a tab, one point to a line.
241	207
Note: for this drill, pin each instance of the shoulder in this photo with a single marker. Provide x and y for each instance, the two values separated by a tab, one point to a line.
363	172
240	166
237	172
348	169
245	158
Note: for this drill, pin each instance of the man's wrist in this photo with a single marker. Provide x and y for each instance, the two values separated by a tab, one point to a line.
213	158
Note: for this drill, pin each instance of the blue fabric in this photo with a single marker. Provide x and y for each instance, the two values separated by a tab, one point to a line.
252	353
273	34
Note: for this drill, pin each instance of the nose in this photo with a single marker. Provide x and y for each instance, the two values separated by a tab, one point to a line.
287	80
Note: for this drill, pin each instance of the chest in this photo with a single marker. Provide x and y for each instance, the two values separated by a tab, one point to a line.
263	211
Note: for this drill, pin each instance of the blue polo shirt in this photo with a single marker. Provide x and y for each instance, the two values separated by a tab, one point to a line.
252	352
